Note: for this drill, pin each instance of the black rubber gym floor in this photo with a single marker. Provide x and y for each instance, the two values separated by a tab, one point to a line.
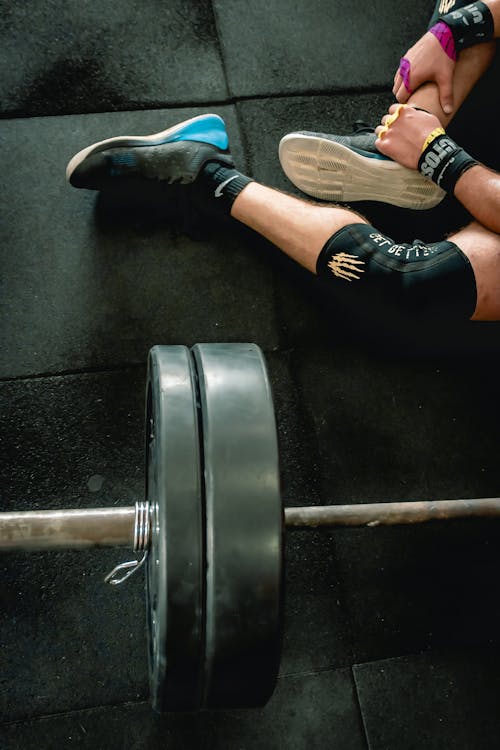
391	635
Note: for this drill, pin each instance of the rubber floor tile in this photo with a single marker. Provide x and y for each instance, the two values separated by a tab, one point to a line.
92	280
431	701
272	48
62	58
307	711
397	430
68	640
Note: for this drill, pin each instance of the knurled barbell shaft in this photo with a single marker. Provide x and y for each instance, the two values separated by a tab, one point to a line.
115	527
67	529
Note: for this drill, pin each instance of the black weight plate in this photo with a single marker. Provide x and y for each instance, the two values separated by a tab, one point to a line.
175	568
243	526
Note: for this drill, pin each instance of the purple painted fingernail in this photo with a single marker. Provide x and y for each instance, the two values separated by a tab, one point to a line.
404	72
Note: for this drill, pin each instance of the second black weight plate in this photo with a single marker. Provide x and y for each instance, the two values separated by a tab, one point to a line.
175	570
243	526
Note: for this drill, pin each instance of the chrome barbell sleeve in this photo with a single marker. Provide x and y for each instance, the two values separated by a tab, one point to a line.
67	529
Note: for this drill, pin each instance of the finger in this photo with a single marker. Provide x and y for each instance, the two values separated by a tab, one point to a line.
381	145
405	71
445	85
394	112
402	94
397	82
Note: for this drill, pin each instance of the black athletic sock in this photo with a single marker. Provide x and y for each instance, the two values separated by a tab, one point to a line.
218	186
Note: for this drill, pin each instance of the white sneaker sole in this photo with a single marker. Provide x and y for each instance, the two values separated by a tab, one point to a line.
127	140
327	170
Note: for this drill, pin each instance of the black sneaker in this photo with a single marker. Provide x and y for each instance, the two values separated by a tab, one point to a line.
175	155
349	168
362	138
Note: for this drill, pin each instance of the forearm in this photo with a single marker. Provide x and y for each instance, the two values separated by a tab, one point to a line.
416	140
478	190
459	174
470	67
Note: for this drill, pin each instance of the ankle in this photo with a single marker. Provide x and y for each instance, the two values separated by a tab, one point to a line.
218	186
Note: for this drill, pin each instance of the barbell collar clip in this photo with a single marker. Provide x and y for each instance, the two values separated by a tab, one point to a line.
131	567
142	528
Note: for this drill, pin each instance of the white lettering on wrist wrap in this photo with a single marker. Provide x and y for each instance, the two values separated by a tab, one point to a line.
444	162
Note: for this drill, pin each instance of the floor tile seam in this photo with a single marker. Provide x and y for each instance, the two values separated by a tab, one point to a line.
339	667
53	375
220	47
388	659
360	708
443	652
246	148
123	367
189	104
73	712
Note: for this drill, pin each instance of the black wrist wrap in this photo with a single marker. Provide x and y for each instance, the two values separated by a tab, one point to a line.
443	161
470	25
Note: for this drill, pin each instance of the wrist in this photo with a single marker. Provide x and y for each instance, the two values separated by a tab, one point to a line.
443	34
443	161
470	25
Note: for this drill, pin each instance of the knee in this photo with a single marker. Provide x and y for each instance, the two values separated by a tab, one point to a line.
408	281
482	248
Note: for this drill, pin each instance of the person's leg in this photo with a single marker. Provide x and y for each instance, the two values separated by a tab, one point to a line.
380	278
455	279
300	229
482	248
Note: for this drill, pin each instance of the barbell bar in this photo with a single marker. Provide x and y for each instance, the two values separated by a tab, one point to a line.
36	530
211	527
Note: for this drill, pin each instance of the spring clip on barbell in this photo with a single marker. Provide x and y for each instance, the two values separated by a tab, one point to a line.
141	544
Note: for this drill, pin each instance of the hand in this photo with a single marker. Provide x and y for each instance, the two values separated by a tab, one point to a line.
405	136
427	62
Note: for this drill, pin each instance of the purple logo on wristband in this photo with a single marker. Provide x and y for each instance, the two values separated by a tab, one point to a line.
443	34
404	72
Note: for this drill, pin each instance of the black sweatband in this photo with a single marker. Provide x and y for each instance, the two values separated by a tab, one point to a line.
470	25
444	161
445	6
397	283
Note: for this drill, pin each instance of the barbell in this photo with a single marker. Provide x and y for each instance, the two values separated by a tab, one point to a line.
210	528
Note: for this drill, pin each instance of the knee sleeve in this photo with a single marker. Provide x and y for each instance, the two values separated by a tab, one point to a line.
408	282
